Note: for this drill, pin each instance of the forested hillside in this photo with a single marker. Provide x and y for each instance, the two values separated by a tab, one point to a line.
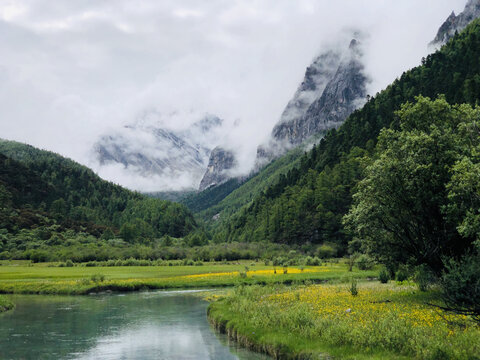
309	203
44	195
227	198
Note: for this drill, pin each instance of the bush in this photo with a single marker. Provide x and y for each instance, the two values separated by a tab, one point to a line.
461	286
402	274
424	277
364	262
353	288
97	278
69	263
384	276
326	251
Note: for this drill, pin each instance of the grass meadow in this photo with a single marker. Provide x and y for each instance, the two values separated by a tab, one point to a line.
23	278
383	321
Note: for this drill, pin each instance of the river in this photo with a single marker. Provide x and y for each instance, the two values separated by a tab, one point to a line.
145	325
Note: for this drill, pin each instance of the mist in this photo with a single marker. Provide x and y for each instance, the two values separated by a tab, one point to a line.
71	71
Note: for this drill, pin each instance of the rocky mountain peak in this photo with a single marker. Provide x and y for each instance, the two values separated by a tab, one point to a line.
219	164
340	89
456	23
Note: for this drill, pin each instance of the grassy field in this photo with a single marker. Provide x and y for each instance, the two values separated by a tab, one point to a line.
390	321
24	278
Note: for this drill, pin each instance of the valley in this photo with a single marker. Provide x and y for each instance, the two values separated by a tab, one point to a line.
351	231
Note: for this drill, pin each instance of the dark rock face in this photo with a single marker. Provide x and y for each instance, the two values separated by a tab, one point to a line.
147	149
219	164
334	86
456	23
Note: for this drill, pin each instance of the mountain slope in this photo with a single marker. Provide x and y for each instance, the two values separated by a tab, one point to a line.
308	205
51	186
219	202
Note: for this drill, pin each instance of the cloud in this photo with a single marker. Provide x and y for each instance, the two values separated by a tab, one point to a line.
72	70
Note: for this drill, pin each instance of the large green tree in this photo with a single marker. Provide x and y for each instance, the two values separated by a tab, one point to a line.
409	206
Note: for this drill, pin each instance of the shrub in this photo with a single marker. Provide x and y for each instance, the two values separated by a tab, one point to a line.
308	261
278	261
326	251
402	274
424	277
384	276
364	262
97	278
353	288
461	286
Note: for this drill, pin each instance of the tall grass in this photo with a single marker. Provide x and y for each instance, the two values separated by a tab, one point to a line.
5	304
381	321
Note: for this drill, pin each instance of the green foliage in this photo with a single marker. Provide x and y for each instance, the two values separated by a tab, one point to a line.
365	262
424	277
308	203
97	278
383	276
48	200
5	304
399	207
353	287
242	192
461	286
402	273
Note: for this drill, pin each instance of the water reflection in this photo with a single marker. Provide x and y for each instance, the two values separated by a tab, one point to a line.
153	325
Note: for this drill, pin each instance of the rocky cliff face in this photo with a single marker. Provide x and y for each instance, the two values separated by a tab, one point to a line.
219	164
334	86
146	149
456	23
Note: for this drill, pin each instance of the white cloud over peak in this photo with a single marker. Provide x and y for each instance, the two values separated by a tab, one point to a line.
71	70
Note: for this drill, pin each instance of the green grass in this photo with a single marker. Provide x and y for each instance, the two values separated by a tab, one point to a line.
41	279
5	304
390	321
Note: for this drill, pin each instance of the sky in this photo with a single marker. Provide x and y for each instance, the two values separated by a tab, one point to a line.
73	70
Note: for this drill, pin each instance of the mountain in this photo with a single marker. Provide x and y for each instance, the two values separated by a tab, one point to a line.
307	205
43	190
146	149
456	23
221	161
219	202
333	87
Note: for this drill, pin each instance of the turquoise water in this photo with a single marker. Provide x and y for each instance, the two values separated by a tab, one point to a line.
147	325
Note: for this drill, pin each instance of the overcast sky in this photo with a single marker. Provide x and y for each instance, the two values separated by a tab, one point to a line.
70	69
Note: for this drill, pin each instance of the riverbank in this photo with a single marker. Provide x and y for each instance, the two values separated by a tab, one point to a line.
321	321
5	304
40	279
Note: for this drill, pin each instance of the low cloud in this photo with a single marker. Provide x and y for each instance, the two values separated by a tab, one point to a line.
71	71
